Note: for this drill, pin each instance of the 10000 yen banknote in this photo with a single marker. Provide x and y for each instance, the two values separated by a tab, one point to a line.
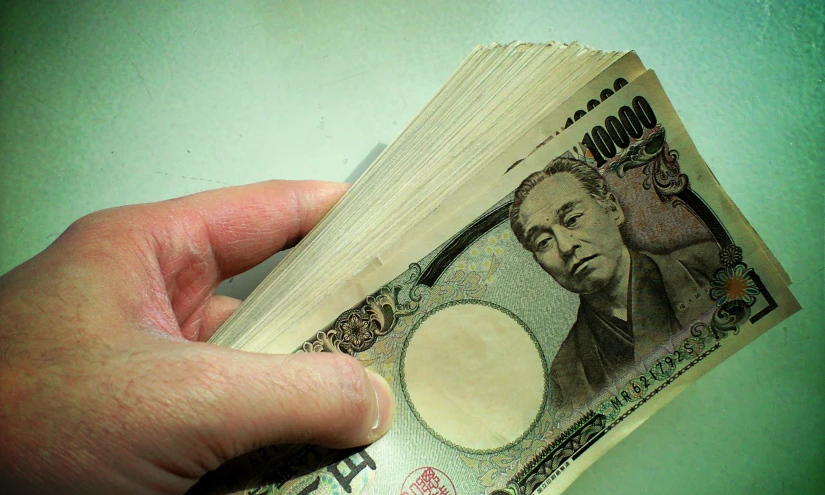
534	325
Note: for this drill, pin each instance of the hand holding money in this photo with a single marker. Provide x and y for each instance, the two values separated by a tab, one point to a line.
106	384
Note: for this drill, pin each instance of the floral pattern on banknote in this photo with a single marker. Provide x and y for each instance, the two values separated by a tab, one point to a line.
734	284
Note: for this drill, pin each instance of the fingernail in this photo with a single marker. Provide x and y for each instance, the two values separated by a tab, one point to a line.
386	406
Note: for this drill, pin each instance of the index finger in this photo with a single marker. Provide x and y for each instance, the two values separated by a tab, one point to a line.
241	226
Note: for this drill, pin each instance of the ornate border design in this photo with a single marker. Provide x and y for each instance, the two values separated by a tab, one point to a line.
359	328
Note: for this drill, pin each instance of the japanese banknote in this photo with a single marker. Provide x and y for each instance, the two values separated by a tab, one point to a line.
541	313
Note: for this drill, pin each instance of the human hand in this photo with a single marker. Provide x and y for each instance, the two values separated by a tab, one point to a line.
106	382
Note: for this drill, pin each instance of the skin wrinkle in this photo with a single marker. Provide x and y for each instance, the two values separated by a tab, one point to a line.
188	270
294	209
192	327
161	297
195	286
154	311
203	284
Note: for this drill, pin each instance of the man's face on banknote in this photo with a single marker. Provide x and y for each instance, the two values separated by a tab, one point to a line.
574	237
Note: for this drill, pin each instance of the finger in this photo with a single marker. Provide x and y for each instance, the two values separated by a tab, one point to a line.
207	237
233	229
240	401
206	320
181	249
245	225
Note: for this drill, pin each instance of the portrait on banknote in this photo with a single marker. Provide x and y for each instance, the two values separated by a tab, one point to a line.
631	302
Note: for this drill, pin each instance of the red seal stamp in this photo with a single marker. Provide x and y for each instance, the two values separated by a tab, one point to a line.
428	481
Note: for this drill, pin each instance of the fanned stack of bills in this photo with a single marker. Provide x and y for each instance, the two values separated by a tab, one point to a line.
536	264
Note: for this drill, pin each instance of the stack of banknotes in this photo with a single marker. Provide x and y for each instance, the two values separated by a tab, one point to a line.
537	263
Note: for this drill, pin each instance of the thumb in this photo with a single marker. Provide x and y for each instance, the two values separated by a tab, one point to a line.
239	401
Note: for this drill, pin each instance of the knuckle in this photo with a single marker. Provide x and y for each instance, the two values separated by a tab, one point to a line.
110	220
106	234
85	224
98	225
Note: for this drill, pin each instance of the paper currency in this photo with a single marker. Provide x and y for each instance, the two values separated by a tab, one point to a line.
537	317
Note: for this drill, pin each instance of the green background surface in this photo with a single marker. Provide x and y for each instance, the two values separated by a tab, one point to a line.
106	103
